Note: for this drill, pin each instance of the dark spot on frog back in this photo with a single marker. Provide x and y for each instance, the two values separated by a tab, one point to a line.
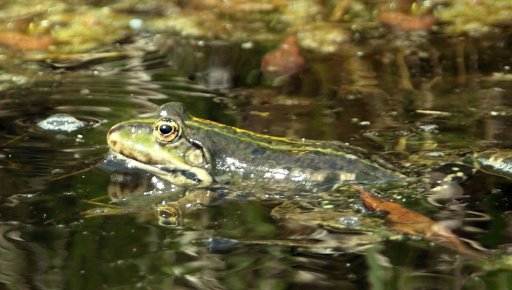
330	179
258	152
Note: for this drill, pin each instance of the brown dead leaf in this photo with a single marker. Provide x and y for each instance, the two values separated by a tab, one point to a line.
413	223
283	61
19	41
406	22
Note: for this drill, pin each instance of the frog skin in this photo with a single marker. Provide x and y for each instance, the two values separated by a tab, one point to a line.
195	153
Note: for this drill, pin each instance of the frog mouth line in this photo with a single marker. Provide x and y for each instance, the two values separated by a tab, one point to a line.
132	163
190	176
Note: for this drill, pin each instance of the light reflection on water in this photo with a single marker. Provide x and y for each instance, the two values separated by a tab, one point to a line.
46	242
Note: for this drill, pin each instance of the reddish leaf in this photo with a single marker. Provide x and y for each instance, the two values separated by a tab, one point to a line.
413	223
406	22
283	61
24	42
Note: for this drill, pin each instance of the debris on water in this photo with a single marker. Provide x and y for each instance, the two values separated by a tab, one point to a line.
61	122
19	41
324	38
434	154
57	171
8	80
350	221
407	221
405	22
136	23
495	113
219	244
429	128
432	112
247	45
499	76
474	18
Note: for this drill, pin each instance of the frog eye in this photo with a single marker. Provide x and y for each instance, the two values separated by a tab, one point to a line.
166	130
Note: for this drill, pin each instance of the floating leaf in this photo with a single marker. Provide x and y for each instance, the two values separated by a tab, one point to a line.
413	223
24	42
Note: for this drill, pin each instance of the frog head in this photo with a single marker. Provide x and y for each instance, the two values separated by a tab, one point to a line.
161	146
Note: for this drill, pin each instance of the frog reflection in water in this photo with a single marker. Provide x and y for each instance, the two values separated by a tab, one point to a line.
201	155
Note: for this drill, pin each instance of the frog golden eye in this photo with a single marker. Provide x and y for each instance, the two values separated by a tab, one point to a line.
166	131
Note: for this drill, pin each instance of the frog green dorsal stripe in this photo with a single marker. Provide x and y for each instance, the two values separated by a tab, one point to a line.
262	140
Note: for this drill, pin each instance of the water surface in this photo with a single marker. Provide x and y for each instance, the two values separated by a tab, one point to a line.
49	178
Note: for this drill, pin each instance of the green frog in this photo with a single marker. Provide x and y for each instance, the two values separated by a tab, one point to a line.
201	155
193	152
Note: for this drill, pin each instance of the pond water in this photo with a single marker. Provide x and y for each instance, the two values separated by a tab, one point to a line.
421	114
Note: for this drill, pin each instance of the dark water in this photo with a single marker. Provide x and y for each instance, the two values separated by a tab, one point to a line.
48	179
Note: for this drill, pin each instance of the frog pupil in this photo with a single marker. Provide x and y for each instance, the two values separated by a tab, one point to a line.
166	129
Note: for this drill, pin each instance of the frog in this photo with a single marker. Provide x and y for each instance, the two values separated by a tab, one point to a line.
205	157
194	152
